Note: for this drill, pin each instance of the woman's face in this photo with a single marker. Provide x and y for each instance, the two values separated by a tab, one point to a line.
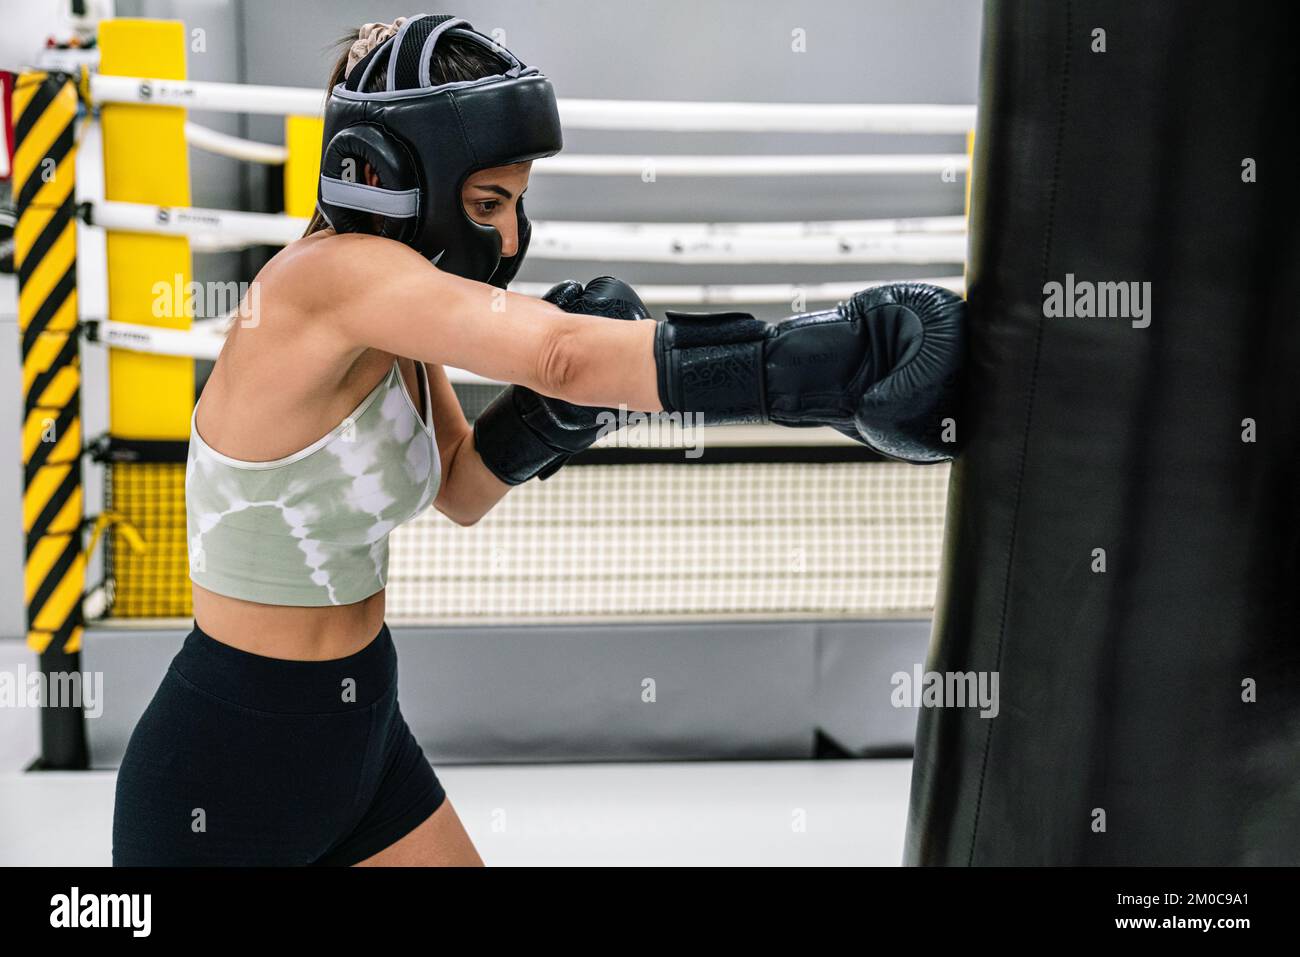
491	196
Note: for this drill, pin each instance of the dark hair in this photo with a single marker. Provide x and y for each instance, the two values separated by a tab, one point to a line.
454	59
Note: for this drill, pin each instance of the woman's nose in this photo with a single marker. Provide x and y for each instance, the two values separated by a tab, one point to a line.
509	231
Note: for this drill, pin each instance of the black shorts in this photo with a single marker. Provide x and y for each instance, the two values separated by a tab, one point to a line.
246	760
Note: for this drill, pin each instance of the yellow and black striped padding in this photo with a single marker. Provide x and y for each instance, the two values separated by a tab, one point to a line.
45	116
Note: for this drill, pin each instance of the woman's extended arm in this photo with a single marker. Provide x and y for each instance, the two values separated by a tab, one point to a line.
409	308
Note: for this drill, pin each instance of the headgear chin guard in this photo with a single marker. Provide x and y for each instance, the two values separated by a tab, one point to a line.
424	141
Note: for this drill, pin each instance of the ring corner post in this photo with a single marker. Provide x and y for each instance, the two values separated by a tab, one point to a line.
45	251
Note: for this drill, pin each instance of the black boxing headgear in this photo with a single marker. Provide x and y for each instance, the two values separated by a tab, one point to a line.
424	141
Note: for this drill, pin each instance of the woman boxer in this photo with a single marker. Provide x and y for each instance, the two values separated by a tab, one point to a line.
275	737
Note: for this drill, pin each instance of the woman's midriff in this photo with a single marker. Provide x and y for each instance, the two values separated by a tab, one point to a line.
282	631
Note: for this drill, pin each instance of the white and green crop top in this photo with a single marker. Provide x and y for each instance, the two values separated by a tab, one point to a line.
312	528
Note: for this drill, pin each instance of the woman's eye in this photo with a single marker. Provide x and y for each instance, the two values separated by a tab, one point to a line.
487	207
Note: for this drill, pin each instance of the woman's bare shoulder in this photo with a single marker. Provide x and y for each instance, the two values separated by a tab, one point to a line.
285	331
285	375
362	291
300	288
330	267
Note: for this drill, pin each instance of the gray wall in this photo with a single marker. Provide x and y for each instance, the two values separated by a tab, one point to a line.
895	51
735	690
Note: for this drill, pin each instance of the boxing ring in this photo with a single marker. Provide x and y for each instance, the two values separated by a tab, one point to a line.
732	575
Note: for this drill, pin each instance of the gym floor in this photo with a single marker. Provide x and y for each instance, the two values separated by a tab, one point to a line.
792	813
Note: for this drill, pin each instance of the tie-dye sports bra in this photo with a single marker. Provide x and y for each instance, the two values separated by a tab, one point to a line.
312	528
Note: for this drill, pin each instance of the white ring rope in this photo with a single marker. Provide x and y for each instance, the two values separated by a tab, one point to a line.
855	241
882	164
650	115
783	229
230	227
683	117
900	248
754	293
741	250
223	144
203	95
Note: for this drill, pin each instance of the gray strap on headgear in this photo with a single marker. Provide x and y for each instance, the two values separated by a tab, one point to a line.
401	203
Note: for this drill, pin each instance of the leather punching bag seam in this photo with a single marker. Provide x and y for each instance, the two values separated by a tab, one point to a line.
1048	228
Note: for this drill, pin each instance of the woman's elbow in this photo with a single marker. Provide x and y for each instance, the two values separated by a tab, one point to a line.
453	503
560	362
593	361
460	515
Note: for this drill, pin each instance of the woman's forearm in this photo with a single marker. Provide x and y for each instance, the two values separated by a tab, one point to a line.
468	491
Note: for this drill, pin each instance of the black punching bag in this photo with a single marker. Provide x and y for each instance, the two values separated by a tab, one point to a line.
1123	524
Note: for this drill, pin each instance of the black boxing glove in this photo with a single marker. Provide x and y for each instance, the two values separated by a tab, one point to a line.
881	368
521	433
